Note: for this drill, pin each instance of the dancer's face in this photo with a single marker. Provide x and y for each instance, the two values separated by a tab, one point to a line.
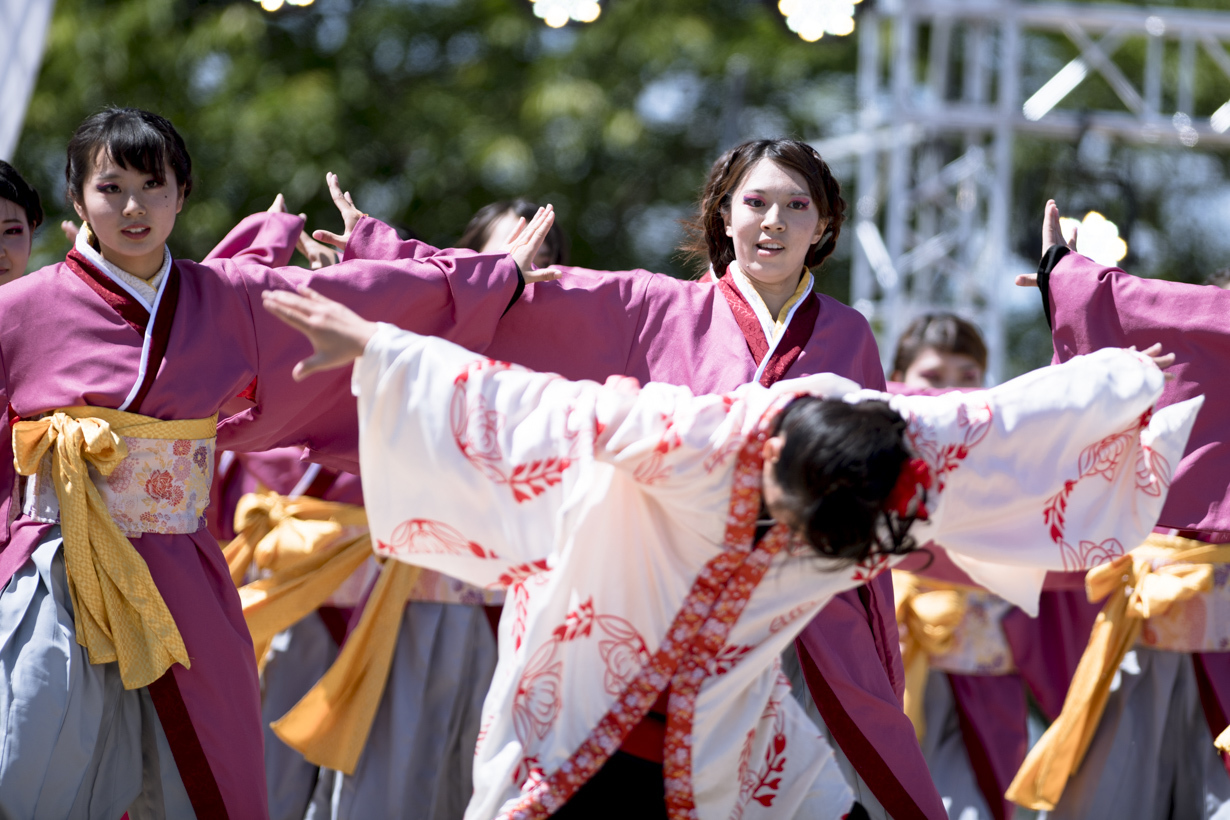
773	222
15	237
931	368
131	213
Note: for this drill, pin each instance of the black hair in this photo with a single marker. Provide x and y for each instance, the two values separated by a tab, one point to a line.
133	139
838	466
478	230
16	190
945	332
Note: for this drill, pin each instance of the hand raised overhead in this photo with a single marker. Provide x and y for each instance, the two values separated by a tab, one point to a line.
1052	235
350	215
524	241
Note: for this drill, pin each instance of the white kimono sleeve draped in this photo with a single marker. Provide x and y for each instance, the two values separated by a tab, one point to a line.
610	513
1062	468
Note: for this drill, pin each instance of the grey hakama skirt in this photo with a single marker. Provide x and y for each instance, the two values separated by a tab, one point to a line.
798	686
1152	756
947	757
418	762
298	658
73	742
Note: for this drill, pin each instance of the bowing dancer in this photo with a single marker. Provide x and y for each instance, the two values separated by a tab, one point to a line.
666	547
770	212
128	676
971	656
1136	734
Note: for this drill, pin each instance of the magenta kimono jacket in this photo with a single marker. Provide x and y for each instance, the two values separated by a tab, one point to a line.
72	336
704	335
1090	307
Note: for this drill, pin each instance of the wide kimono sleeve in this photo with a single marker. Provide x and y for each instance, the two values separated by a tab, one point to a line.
1063	468
476	467
1092	307
266	239
458	296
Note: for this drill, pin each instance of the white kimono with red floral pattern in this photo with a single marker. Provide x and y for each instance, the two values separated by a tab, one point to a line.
621	521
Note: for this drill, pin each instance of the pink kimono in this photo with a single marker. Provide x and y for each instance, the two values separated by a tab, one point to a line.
704	335
73	335
1090	307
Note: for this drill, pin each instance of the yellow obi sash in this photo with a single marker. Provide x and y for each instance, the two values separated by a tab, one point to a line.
107	467
310	548
949	626
1145	583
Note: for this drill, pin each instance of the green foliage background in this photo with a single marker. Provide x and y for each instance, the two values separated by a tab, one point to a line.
429	109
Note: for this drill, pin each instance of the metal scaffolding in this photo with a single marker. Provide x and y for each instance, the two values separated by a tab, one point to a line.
941	101
23	33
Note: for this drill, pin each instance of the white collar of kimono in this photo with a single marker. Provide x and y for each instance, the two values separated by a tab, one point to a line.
774	328
148	293
144	291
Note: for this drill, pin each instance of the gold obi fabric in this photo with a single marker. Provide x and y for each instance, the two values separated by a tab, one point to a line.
104	475
951	627
161	485
1147	584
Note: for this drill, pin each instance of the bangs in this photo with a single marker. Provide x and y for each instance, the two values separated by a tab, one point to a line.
134	144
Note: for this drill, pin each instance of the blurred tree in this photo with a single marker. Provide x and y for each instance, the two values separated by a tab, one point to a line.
428	109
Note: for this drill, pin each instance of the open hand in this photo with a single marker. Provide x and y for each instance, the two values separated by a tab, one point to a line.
524	242
338	334
71	229
1052	235
1162	360
350	215
317	254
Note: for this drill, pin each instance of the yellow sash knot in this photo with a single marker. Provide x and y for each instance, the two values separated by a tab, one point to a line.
928	614
1223	741
118	612
308	546
304	544
1143	584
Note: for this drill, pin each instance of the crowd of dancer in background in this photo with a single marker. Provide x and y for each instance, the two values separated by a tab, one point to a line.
243	577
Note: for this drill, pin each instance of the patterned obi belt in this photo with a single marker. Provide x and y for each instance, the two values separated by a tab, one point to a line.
160	484
957	627
1200	623
104	475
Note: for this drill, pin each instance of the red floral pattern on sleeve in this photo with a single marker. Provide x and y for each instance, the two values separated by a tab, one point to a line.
476	430
422	536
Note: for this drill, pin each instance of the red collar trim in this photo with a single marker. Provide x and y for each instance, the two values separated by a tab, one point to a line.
788	350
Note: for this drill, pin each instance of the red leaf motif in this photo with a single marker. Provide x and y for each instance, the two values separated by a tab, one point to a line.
422	536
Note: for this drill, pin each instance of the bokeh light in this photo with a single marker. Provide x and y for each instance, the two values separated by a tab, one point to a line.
812	19
1096	237
274	5
557	13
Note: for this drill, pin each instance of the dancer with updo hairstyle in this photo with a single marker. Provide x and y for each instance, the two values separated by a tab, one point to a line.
663	548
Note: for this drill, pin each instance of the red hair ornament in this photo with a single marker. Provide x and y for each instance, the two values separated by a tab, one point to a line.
914	474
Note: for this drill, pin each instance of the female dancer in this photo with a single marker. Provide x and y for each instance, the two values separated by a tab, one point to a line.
659	541
128	680
20	213
770	212
1152	691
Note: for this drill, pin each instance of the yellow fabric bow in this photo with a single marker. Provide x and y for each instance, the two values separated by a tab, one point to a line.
1142	584
301	542
118	612
330	725
928	613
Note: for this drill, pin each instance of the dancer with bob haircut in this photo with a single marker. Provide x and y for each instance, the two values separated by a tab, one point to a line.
129	682
660	545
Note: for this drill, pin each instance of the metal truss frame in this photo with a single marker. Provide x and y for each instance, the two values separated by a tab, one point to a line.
934	149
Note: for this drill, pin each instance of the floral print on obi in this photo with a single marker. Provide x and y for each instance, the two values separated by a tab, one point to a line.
1199	624
162	486
979	646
